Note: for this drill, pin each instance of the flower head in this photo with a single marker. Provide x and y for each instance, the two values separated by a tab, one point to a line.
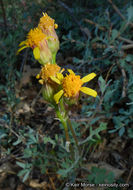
46	22
48	26
72	85
50	87
37	40
48	72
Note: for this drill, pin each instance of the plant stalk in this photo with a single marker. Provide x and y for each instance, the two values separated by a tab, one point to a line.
73	133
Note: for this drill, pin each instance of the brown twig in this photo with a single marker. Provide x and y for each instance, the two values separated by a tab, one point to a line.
95	24
110	24
128	178
104	29
125	47
4	14
116	9
124	80
73	133
51	180
124	83
35	99
125	40
100	58
130	174
107	76
103	46
24	60
118	12
12	131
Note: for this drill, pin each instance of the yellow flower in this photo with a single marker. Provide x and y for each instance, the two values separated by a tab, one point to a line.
48	26
45	78
37	40
46	22
72	85
48	72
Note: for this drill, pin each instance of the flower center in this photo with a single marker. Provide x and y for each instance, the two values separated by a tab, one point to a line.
34	37
71	85
49	70
47	22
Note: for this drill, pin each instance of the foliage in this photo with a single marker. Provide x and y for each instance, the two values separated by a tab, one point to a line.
100	176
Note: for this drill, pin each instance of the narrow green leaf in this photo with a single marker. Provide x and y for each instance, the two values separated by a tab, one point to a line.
130	13
121	131
22	165
102	84
26	175
115	34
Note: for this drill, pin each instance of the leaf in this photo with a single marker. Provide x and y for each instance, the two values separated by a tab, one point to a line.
100	175
130	13
21	173
112	131
3	135
26	175
110	177
112	172
115	33
121	131
17	142
33	139
108	95
95	132
102	84
64	172
129	58
110	169
27	153
130	133
94	120
22	165
49	140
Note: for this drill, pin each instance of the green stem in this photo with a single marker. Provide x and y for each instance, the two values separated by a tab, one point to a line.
62	106
64	123
53	58
73	133
61	114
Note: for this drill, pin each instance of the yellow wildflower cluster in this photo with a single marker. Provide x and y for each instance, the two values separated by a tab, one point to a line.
43	40
69	86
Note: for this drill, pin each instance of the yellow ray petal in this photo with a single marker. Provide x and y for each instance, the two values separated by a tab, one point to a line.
20	49
41	81
60	76
88	91
36	53
88	77
22	43
58	95
37	76
62	70
70	71
55	79
55	26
